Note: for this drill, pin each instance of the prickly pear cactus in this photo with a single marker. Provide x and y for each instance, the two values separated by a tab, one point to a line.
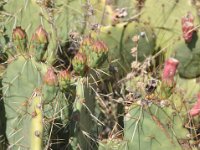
64	65
17	95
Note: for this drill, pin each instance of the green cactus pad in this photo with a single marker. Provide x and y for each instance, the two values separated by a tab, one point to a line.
188	56
165	18
154	128
19	82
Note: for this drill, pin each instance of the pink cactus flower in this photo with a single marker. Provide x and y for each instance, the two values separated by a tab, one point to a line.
188	27
169	71
196	108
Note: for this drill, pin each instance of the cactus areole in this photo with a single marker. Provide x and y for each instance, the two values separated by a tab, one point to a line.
169	71
188	27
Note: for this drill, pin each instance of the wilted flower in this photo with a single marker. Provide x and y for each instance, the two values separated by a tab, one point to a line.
169	71
188	27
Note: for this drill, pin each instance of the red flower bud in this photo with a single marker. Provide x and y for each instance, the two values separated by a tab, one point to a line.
188	27
100	47
169	71
79	63
50	77
87	41
64	78
64	74
39	43
196	108
80	58
40	35
19	34
19	38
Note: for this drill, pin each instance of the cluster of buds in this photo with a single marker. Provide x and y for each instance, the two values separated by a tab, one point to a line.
39	41
169	71
96	51
19	38
188	27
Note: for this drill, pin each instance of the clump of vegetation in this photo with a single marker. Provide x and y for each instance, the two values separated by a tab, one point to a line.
99	74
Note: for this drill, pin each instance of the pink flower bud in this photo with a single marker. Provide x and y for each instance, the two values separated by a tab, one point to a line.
19	38
19	34
169	71
196	108
50	77
87	41
100	47
188	27
40	35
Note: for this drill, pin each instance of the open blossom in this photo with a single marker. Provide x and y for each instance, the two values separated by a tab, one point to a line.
188	27
169	71
196	108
